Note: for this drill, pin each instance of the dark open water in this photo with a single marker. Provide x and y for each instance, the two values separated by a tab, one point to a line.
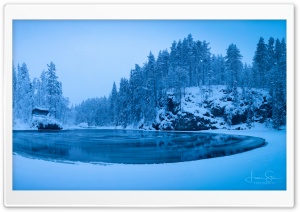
128	146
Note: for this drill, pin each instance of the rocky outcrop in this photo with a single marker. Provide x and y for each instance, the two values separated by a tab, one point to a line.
189	122
220	111
217	111
45	123
49	127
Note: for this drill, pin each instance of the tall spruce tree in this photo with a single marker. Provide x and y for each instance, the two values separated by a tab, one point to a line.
137	90
23	94
278	95
233	65
162	69
53	91
151	90
261	62
14	87
124	103
114	105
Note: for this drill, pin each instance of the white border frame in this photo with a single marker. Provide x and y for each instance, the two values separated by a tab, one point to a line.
147	198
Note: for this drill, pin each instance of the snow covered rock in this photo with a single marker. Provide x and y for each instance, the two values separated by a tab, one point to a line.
222	110
190	122
46	123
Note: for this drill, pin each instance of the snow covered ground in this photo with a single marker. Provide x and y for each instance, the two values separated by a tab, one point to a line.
260	169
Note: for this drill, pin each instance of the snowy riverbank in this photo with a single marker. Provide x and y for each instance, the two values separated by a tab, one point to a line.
260	169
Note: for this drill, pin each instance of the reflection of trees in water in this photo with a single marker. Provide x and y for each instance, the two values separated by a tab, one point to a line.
135	147
37	145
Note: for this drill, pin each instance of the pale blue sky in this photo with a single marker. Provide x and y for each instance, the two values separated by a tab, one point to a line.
91	55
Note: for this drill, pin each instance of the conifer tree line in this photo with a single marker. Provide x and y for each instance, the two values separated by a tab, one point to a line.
188	63
43	92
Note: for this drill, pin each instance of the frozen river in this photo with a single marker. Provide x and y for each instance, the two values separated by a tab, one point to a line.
129	146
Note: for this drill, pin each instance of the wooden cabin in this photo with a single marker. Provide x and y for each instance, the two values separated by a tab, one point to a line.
38	111
42	121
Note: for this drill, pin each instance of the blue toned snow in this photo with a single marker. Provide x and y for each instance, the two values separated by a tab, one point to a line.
258	169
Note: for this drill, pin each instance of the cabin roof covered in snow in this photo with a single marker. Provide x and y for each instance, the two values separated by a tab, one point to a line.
40	111
41	108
